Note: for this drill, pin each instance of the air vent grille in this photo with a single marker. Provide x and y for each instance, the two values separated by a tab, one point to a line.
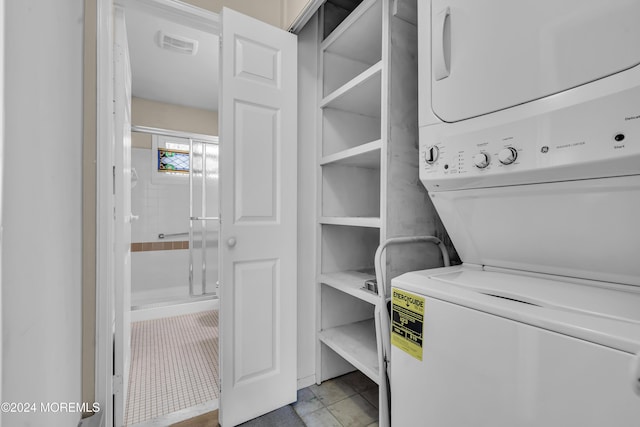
177	43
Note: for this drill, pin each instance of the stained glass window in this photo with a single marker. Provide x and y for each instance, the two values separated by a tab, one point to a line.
173	160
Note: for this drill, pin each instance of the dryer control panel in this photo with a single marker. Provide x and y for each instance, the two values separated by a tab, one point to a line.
534	144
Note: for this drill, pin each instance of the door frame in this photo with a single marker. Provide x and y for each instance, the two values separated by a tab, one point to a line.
105	227
2	112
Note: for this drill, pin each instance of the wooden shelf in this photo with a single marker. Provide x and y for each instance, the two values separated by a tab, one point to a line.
351	282
360	95
370	222
364	156
356	343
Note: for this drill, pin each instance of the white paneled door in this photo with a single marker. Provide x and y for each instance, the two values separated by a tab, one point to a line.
258	138
122	216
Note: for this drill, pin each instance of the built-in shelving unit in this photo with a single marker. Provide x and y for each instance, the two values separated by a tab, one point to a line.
365	156
351	282
356	343
368	187
352	221
361	95
353	51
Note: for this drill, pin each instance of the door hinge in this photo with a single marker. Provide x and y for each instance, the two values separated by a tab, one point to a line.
113	175
117	384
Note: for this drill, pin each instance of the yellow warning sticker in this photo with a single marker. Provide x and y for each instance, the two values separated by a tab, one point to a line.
407	319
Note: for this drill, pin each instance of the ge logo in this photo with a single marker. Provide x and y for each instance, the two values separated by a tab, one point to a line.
544	149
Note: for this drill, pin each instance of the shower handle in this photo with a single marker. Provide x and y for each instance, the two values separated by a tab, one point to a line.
231	242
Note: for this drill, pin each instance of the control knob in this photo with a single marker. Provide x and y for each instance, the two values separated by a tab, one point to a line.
481	160
508	155
432	154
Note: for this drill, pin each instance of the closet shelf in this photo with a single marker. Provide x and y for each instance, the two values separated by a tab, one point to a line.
354	221
356	343
351	282
359	36
364	156
361	95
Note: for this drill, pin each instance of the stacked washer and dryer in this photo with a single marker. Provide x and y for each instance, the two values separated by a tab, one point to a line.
530	151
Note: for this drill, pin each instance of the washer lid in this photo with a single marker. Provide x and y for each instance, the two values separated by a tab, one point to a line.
579	228
597	312
494	54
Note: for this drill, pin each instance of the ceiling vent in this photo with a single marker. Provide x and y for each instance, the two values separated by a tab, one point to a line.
176	43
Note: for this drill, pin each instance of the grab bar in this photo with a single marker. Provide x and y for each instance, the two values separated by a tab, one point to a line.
163	236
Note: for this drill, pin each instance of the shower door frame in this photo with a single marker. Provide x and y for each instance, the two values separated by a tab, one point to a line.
204	218
191	138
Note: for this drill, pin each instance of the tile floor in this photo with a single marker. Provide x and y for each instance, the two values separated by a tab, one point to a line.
173	365
347	401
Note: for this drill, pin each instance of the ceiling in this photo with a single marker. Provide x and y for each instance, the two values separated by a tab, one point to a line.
168	76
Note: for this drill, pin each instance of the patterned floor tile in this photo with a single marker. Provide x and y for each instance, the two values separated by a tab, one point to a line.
354	412
307	402
332	391
320	418
358	381
283	417
174	365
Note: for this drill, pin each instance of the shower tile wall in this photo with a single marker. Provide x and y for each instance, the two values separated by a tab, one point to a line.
162	208
160	267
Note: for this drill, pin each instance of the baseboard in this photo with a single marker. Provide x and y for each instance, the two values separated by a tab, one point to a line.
306	381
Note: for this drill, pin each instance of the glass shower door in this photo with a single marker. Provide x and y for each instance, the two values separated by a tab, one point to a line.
204	221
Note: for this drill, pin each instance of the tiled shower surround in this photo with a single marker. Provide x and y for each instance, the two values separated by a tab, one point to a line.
160	266
159	246
162	208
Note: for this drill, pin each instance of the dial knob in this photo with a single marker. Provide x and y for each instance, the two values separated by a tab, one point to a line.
481	160
508	155
432	154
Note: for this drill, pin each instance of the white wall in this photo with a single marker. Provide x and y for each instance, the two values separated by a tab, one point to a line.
41	253
269	11
161	115
307	228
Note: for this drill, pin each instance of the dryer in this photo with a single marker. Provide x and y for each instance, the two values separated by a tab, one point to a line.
530	151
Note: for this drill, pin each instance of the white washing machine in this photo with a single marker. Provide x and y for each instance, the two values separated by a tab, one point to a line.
503	349
530	150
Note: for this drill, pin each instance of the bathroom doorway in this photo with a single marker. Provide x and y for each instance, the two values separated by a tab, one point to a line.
258	152
173	348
